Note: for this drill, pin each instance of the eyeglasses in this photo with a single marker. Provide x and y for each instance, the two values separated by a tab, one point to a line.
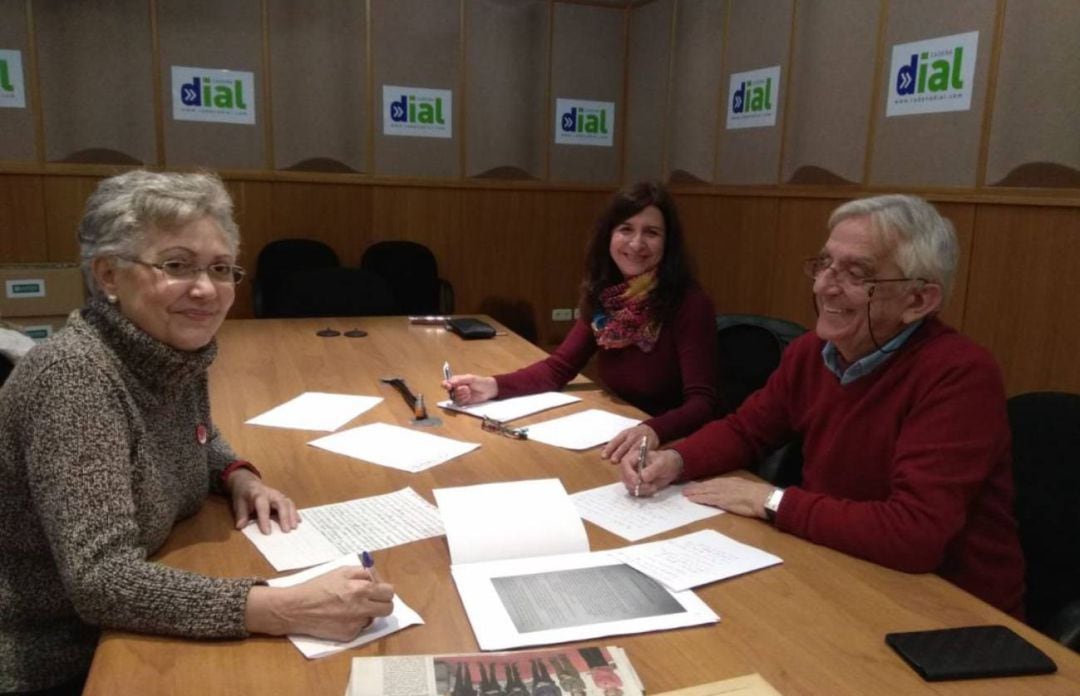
225	273
499	428
852	276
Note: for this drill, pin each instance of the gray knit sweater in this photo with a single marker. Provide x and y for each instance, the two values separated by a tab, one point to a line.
99	458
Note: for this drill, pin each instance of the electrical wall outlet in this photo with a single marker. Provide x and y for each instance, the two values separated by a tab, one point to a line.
562	314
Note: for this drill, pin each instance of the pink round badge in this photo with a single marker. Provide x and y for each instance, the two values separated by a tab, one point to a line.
200	433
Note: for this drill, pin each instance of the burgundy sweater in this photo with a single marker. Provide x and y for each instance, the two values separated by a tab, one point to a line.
909	467
675	382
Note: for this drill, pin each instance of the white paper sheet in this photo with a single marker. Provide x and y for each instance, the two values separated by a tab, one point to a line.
513	519
316	411
394	446
510	409
614	509
495	627
695	559
327	532
402	617
580	431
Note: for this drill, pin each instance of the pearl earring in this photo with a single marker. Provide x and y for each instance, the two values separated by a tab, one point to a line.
111	299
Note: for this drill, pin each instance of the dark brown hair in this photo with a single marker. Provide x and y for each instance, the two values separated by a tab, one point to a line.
673	275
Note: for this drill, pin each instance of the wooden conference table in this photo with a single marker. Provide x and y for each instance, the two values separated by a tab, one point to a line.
813	625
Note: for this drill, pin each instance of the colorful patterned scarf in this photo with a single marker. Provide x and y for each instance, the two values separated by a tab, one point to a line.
626	318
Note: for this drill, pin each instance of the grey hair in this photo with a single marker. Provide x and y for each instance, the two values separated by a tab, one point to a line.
124	208
925	242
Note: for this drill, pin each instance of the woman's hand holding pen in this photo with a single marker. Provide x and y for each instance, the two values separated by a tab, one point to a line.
336	606
661	468
627	442
471	389
253	499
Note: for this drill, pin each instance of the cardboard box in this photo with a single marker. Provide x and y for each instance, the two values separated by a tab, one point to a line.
40	290
39	328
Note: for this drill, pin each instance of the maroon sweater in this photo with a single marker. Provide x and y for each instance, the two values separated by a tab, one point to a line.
909	467
675	382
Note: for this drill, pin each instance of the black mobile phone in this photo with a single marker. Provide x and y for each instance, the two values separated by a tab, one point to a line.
970	652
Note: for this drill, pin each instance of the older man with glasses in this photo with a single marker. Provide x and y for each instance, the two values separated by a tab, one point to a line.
906	443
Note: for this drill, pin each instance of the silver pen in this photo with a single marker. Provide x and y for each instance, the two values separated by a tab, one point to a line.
642	449
447	374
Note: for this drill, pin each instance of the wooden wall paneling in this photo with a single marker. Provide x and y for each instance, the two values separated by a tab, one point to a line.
829	93
648	85
695	84
962	216
802	229
758	36
318	75
935	149
502	268
415	43
732	241
586	63
1021	294
506	60
216	36
1033	140
22	219
338	214
97	93
17	129
65	200
570	217
252	210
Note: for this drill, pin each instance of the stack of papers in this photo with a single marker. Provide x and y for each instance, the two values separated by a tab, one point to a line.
394	446
695	559
328	532
581	431
633	518
505	410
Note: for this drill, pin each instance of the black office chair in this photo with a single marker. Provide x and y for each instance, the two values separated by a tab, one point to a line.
276	261
749	350
1046	473
336	292
413	274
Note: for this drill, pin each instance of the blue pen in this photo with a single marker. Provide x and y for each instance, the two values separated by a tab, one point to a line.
368	562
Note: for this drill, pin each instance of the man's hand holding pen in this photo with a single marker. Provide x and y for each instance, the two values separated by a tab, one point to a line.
657	470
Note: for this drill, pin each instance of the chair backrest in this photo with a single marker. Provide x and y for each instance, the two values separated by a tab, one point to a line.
276	261
6	366
749	349
412	273
1046	473
336	292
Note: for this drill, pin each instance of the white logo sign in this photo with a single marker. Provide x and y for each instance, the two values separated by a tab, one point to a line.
418	112
12	93
932	75
580	122
752	97
208	94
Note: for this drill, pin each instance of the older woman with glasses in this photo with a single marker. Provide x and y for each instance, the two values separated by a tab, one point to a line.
905	438
106	441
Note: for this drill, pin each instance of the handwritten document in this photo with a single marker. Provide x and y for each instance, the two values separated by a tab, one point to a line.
316	411
327	532
311	648
394	446
580	431
695	559
614	509
509	409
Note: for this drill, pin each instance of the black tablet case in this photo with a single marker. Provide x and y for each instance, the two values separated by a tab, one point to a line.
469	328
971	652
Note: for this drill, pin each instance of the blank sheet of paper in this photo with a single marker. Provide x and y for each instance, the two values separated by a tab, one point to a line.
316	411
394	446
580	431
327	532
509	409
311	648
613	508
695	559
513	519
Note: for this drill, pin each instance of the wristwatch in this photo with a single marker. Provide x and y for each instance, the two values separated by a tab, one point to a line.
772	503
